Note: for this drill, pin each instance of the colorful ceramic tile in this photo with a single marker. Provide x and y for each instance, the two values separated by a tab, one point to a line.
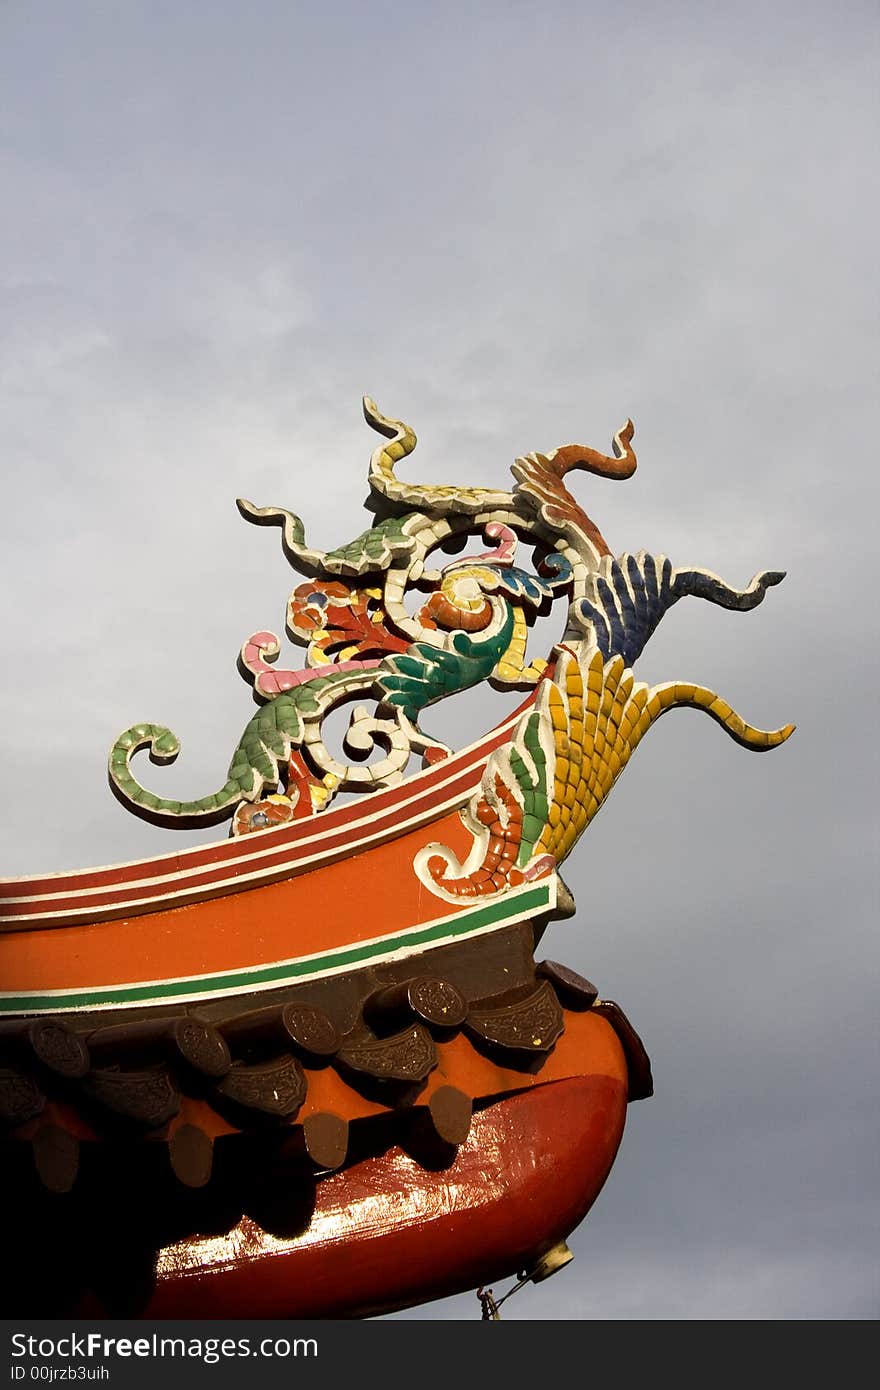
366	639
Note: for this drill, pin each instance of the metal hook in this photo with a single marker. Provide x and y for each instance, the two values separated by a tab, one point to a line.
549	1263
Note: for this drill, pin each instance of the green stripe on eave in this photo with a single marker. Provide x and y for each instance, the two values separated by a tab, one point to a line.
448	927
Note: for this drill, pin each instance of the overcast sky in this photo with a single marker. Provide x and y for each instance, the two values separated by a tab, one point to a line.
513	225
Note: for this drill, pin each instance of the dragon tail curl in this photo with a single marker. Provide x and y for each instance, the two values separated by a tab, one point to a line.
164	747
264	746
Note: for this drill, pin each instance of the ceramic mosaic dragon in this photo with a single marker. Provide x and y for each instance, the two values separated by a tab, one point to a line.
470	623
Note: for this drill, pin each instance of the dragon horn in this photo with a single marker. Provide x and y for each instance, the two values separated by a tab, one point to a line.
383	459
705	584
425	497
622	464
293	538
539	483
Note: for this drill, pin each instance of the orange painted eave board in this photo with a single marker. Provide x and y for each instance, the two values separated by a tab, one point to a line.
353	900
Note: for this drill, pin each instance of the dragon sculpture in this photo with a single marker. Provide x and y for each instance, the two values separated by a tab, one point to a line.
587	712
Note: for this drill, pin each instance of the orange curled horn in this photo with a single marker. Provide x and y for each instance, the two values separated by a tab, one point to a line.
621	465
540	486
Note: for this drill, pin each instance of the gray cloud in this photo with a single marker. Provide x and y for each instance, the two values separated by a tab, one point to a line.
513	227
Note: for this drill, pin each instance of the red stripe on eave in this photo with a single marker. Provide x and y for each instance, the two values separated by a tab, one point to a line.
180	862
284	860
